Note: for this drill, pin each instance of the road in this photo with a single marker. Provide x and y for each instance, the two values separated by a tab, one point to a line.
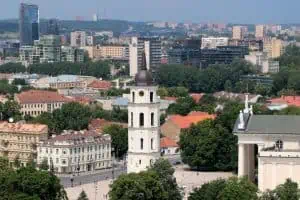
90	178
103	174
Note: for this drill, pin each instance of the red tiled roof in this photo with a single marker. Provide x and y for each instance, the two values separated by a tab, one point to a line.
197	96
192	118
101	85
41	96
82	99
170	98
289	100
7	127
166	142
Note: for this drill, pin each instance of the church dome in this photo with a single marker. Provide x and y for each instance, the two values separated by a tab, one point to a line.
143	78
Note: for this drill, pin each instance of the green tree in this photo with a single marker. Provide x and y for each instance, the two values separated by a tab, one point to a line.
19	82
165	172
44	165
178	92
71	116
12	68
119	137
239	189
162	92
82	196
228	86
6	88
287	191
28	183
208	145
11	109
17	162
183	106
208	191
144	185
155	183
291	110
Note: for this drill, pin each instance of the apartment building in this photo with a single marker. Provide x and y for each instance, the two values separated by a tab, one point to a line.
260	31
78	39
273	47
36	102
110	51
238	32
19	141
151	47
76	151
214	42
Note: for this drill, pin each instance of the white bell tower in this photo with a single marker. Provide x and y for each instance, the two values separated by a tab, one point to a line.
143	123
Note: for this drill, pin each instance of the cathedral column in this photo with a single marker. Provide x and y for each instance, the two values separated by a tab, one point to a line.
251	162
242	164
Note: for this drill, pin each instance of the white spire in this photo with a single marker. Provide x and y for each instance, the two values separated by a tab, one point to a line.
241	124
251	110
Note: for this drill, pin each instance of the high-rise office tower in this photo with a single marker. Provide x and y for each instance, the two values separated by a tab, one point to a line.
53	27
151	47
29	23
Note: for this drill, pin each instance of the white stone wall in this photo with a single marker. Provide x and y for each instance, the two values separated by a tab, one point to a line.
274	171
98	156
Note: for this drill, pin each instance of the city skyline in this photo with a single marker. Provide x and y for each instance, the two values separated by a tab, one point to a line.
230	11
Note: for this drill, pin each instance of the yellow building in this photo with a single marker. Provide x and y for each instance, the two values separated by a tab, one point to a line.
273	47
108	51
19	141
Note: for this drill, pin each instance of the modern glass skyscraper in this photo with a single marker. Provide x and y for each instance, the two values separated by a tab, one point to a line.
29	23
53	27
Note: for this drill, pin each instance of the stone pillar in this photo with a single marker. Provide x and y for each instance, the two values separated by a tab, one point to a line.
241	166
260	175
251	162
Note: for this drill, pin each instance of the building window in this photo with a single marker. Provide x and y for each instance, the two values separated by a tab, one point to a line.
63	161
141	119
140	161
57	160
151	97
279	145
151	143
131	119
152	119
56	151
142	143
133	97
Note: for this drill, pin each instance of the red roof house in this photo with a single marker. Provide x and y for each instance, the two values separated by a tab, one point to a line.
175	123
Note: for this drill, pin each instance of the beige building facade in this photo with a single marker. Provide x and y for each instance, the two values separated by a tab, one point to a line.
237	32
273	47
36	102
76	151
19	141
260	31
99	52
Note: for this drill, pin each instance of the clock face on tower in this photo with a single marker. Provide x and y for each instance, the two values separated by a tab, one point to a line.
141	93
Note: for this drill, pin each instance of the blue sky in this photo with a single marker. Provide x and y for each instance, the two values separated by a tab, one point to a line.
235	11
